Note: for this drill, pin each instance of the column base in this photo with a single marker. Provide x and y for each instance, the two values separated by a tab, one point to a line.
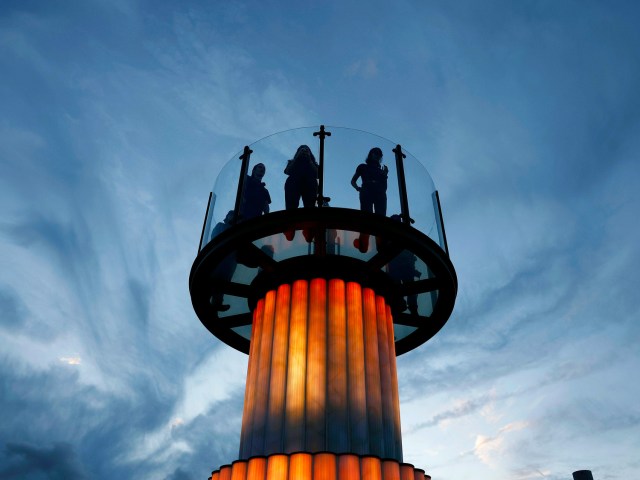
322	465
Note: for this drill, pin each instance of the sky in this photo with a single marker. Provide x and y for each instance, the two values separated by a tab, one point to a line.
115	118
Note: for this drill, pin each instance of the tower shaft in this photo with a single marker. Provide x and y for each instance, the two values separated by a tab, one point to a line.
322	373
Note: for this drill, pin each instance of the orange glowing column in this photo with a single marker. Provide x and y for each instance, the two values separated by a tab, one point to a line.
371	468
324	466
317	366
349	467
407	472
300	466
419	475
277	467
263	376
357	387
321	373
394	386
372	366
338	432
252	375
257	468
278	381
385	380
390	470
239	470
296	375
225	472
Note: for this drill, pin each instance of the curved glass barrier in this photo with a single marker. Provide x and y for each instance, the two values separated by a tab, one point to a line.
344	150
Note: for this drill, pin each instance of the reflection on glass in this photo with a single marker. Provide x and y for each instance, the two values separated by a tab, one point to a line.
403	270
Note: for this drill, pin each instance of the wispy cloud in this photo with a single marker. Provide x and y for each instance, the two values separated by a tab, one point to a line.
487	449
71	360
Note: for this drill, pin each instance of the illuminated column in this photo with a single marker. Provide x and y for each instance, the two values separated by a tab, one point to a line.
322	373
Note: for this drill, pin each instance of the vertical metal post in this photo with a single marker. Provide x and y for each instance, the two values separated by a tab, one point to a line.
402	185
322	133
444	235
246	155
204	224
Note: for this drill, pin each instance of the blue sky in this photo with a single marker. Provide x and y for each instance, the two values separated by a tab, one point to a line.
115	118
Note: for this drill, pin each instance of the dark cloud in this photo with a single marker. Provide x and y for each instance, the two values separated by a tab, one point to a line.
25	462
89	425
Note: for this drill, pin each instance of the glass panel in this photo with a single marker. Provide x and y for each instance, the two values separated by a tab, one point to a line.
403	269
286	245
426	302
295	243
357	245
419	190
401	331
247	268
423	271
439	226
345	150
237	305
244	331
220	276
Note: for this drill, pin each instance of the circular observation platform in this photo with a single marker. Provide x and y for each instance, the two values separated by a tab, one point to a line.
402	255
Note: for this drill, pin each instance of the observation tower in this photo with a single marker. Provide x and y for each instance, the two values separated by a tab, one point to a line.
322	298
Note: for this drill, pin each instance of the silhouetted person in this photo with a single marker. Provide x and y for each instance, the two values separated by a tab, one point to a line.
225	270
303	179
256	198
373	191
302	182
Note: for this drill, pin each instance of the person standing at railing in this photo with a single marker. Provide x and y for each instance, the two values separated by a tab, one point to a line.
256	197
302	182
373	191
303	179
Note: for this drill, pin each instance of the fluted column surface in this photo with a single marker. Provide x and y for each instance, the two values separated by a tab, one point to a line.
322	374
